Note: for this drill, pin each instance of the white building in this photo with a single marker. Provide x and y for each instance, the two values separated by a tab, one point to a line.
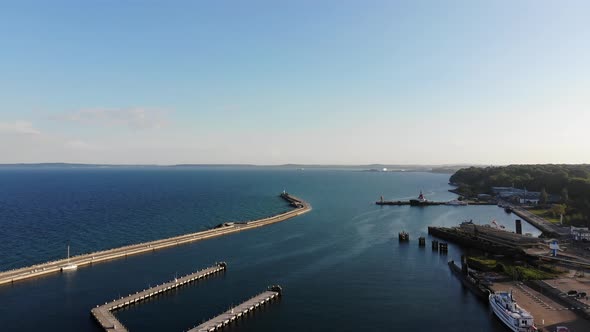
580	233
521	196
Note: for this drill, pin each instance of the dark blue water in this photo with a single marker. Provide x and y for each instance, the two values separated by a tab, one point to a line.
341	266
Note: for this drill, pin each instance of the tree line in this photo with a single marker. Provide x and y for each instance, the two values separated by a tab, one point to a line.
570	182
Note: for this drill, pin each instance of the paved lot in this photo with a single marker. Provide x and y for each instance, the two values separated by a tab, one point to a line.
575	280
547	313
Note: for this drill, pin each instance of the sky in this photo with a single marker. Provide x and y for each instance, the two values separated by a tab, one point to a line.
308	82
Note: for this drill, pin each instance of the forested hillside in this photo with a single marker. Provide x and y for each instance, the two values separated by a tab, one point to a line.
571	182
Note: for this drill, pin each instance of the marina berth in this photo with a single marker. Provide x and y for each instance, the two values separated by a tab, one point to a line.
514	317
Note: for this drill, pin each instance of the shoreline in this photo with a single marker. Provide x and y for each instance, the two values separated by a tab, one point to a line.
43	269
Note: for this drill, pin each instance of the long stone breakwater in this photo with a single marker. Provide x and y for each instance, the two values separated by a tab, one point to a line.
299	205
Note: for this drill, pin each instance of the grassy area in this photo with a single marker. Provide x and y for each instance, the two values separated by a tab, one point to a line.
553	268
514	271
526	273
544	213
490	264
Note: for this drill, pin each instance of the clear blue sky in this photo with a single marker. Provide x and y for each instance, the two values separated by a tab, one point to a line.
271	82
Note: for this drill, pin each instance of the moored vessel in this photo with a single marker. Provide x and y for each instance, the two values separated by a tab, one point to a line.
421	200
513	316
475	285
69	266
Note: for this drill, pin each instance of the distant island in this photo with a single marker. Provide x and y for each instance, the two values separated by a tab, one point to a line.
566	187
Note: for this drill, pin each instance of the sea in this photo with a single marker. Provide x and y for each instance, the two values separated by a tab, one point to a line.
341	265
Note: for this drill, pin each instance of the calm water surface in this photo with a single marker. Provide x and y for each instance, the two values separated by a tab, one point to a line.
341	266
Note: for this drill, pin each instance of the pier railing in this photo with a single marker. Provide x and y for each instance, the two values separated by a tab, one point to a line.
103	313
240	311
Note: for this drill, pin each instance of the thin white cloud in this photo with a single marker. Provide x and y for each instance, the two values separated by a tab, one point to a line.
18	127
136	118
81	145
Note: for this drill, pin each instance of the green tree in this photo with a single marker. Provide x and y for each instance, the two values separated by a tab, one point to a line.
558	210
544	197
564	195
571	181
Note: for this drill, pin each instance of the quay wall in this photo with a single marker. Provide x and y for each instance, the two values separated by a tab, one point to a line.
470	241
105	255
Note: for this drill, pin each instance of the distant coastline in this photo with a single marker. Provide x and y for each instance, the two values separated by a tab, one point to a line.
446	169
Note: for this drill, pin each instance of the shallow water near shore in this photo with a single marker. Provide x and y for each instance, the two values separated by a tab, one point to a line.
341	265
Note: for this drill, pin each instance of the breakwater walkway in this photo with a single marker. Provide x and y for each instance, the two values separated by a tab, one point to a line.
399	203
543	225
300	207
239	312
109	322
431	203
485	238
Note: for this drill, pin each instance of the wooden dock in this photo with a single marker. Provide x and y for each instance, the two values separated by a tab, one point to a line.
238	312
103	314
300	207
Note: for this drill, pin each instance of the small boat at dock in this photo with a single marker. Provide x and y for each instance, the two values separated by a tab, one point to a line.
421	200
513	316
69	266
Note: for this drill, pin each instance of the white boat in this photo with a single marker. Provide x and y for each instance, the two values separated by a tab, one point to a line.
69	266
514	317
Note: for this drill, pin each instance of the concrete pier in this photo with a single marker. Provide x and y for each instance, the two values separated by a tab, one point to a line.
239	311
300	207
545	226
486	238
400	203
109	322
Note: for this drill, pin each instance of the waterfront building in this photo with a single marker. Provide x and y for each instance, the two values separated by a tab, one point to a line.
580	233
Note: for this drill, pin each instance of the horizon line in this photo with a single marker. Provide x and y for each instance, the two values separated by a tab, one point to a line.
48	164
